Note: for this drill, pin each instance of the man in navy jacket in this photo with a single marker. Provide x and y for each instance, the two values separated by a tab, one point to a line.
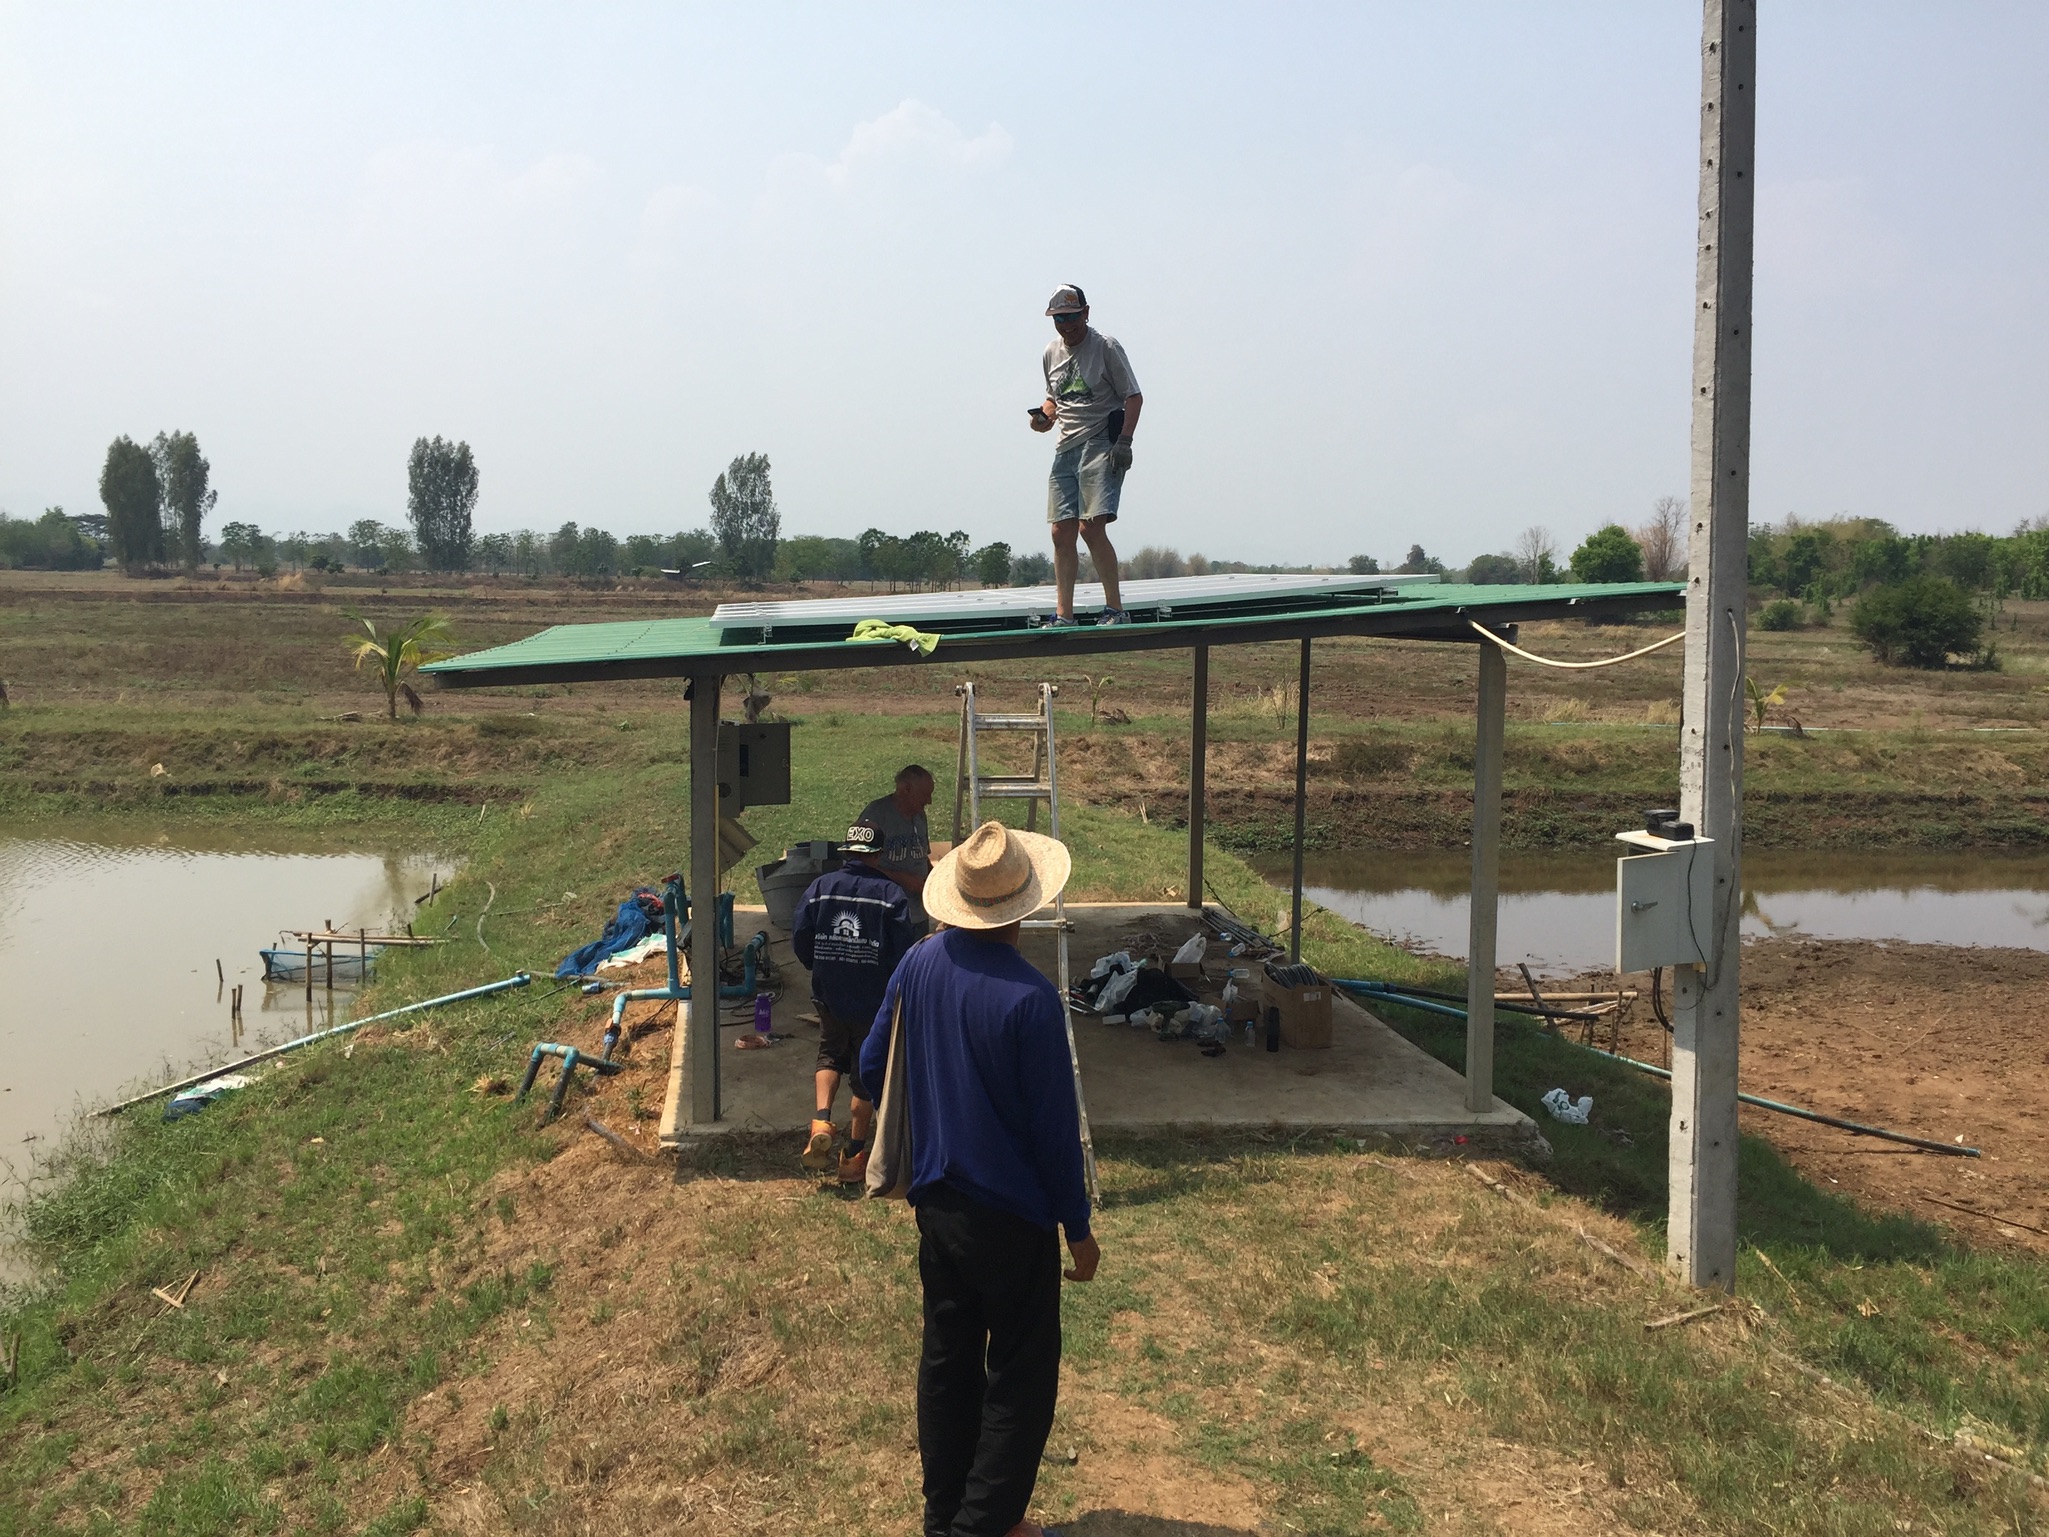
996	1170
852	927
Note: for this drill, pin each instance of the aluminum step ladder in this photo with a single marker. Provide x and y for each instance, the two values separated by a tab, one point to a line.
971	787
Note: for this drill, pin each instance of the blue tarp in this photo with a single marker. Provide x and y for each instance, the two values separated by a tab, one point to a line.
629	926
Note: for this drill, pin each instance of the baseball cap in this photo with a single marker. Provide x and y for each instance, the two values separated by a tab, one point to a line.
862	839
1067	301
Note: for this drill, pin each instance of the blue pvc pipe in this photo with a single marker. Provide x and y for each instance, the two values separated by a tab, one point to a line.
679	991
572	1058
518	979
1393	995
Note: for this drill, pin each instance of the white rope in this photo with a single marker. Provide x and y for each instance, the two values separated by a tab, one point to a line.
1545	661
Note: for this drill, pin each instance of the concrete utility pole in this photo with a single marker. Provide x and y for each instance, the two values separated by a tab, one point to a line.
1701	1233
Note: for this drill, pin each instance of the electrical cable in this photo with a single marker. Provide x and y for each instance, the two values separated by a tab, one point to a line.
1658	998
1545	661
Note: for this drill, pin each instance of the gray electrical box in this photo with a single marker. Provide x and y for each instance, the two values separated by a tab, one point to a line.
1664	902
754	765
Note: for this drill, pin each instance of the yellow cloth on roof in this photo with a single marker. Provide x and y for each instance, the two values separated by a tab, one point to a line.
924	642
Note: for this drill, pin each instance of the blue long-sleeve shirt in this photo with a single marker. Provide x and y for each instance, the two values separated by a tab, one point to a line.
851	929
990	1086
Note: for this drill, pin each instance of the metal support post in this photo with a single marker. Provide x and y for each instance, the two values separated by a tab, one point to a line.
1701	1230
1301	798
1485	909
1198	776
693	1098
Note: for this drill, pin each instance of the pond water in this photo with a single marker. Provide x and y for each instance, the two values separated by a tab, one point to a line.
107	958
1558	911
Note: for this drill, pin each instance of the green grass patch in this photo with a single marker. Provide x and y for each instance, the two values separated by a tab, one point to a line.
1950	1335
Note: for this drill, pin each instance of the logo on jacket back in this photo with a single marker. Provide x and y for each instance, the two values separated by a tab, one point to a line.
846	927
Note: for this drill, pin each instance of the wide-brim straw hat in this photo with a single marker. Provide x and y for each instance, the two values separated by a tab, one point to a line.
997	876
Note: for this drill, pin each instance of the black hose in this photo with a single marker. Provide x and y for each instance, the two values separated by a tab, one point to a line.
1658	998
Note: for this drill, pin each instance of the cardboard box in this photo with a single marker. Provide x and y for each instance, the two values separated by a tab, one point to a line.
1187	971
1305	1014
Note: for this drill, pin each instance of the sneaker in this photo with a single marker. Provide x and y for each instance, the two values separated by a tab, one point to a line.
818	1149
1114	616
1031	1529
1061	622
854	1167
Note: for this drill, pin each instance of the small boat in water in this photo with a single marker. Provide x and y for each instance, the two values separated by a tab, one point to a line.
350	966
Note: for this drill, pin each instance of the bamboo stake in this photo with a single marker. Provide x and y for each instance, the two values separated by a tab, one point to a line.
1687	1317
176	1300
619	1143
1635	1267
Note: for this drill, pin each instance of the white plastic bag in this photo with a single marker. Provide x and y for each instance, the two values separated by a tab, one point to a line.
1117	961
1192	949
1564	1107
1116	990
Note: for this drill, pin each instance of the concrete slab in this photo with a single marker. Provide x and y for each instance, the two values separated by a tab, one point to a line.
1370	1083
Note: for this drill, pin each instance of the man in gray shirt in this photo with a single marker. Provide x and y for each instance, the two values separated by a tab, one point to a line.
1092	398
899	819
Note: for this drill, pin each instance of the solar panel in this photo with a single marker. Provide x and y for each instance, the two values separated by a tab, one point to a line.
999	607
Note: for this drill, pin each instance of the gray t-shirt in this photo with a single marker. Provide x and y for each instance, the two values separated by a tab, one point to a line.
1087	383
905	843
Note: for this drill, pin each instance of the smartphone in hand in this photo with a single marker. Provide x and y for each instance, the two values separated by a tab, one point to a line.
1037	413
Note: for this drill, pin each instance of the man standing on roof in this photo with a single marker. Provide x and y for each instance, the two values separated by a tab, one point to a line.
851	929
906	844
1092	398
996	1173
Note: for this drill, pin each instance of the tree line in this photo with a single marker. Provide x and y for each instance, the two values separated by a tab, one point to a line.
158	497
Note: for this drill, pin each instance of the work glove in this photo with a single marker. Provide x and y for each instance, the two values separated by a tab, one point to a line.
1120	455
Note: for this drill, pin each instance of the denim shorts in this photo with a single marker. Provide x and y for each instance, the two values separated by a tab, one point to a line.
1082	484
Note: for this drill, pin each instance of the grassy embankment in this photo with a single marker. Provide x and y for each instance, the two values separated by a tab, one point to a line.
374	1239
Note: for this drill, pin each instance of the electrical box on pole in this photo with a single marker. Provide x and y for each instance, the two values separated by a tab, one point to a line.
1664	902
754	765
1701	1159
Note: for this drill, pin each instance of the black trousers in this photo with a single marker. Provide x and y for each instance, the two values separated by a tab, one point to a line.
991	1369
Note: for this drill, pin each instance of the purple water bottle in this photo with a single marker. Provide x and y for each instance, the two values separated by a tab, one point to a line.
764	1003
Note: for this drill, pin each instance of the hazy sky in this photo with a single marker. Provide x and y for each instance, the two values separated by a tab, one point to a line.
1386	273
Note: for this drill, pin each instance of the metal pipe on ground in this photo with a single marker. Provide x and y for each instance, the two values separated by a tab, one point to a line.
518	979
1780	1107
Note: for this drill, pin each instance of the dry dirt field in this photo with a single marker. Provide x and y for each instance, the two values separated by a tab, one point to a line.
1937	1041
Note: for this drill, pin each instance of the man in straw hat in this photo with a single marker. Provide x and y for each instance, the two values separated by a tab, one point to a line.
996	1169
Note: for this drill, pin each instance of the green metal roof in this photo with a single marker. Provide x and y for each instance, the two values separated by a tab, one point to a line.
690	647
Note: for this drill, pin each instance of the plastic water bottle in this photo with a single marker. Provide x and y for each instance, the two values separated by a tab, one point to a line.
764	1003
